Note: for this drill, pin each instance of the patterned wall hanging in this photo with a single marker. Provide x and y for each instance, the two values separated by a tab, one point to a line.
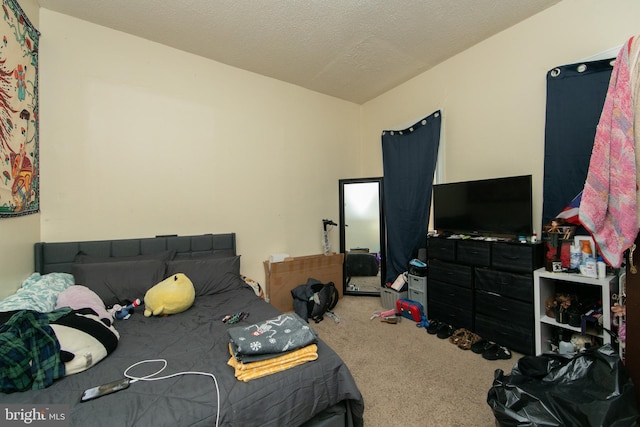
19	185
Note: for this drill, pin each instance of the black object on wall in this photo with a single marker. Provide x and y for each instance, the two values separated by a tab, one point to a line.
409	160
575	97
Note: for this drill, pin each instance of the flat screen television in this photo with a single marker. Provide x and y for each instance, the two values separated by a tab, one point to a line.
496	207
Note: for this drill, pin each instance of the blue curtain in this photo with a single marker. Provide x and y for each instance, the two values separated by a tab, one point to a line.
575	96
409	161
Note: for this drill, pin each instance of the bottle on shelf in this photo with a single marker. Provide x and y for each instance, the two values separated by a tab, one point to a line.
565	346
586	250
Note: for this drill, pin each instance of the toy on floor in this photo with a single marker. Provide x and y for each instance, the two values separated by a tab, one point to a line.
173	295
123	313
383	314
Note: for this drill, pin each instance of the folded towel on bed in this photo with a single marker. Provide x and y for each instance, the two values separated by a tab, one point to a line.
271	337
250	371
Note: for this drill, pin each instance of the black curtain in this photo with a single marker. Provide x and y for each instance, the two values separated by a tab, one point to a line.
409	161
575	96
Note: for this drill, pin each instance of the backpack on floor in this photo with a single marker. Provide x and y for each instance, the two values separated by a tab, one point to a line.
324	299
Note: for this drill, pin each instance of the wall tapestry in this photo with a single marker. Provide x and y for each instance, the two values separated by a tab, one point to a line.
19	186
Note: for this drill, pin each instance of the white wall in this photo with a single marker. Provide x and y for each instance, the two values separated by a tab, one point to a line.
493	95
140	139
18	234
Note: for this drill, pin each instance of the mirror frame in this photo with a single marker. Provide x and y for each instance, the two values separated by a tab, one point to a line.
382	237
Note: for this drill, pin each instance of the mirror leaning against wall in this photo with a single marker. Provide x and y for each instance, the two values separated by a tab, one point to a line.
362	235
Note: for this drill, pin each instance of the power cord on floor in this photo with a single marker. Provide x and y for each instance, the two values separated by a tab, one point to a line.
152	377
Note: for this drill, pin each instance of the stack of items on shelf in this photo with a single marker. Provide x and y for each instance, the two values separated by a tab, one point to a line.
271	346
558	237
571	253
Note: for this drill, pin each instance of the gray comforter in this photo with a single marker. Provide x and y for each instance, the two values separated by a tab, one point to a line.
198	341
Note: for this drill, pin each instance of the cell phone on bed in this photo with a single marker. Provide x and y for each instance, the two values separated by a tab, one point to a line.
104	389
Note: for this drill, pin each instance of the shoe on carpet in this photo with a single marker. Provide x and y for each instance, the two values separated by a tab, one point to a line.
495	352
468	340
445	331
458	336
480	346
433	326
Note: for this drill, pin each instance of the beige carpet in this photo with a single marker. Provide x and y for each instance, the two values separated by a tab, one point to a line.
407	376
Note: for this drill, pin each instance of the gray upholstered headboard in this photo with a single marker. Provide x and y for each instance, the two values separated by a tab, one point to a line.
60	256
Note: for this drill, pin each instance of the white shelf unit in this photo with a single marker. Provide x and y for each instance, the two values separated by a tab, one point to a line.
545	287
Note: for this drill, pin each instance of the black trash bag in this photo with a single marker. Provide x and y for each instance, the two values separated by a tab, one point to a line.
592	388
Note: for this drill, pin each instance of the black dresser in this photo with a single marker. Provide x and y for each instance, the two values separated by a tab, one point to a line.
486	287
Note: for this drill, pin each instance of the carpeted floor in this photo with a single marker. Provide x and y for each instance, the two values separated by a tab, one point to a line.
407	376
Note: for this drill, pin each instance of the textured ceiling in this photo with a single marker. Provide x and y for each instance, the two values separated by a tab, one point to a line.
351	49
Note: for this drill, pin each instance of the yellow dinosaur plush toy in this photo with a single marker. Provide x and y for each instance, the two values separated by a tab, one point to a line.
173	295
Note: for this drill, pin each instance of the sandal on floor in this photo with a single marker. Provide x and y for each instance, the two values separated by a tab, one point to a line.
458	336
496	352
445	331
469	339
480	346
433	327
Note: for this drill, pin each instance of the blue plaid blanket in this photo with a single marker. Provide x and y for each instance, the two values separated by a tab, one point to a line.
30	351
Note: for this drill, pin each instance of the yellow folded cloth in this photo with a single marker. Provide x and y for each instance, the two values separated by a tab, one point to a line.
250	371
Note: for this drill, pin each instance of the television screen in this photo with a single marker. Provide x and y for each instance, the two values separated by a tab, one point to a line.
498	206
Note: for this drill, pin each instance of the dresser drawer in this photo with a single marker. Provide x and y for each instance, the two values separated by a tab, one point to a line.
441	248
519	286
449	273
450	294
472	252
511	336
514	257
506	310
453	315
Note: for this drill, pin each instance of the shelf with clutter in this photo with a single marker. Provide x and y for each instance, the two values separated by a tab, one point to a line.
570	253
579	299
573	307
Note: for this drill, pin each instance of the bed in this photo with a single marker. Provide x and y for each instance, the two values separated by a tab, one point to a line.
321	392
